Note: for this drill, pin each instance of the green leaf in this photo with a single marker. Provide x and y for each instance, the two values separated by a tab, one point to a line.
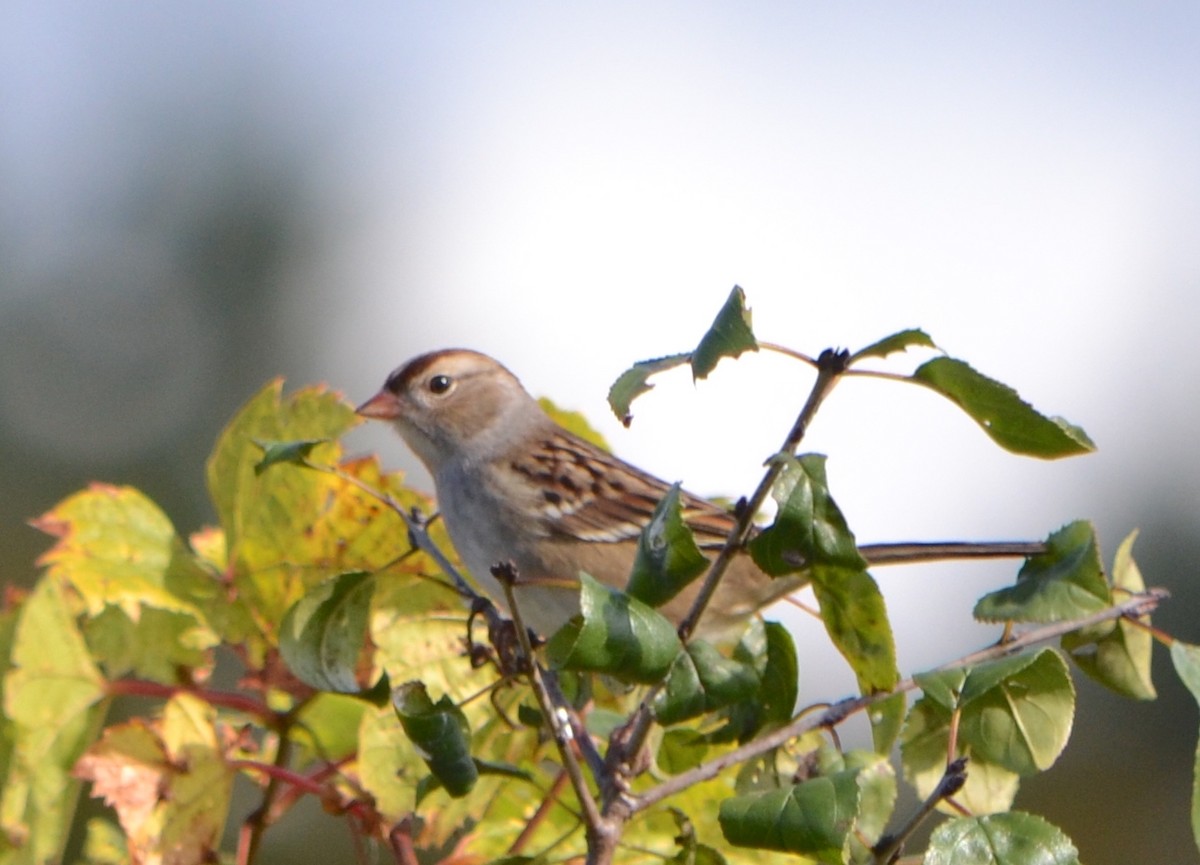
294	453
105	843
614	634
691	851
856	619
573	422
896	342
1186	659
327	726
780	677
701	680
812	818
667	557
681	749
1118	655
417	628
388	765
441	735
1016	716
286	530
196	803
1024	721
323	635
809	527
8	731
923	748
877	799
1010	421
1014	838
635	381
160	645
730	335
958	686
308	415
53	699
1065	582
887	721
767	647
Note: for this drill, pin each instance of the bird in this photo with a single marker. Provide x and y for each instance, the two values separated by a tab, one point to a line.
512	486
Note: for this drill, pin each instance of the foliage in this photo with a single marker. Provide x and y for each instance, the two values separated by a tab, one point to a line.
367	681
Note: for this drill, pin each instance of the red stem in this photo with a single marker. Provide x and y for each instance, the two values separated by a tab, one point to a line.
224	699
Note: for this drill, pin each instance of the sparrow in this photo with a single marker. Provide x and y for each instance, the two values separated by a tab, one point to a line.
514	486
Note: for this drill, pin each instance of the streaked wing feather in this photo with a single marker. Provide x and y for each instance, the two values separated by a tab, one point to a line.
591	494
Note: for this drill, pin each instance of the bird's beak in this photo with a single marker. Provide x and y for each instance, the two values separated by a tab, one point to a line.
383	406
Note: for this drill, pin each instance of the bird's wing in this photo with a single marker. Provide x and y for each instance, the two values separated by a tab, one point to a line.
590	494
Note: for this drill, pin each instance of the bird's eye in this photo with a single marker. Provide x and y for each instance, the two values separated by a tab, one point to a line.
440	384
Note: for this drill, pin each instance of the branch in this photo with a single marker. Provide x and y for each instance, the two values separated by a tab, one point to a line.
1134	606
908	553
564	733
952	781
830	365
221	699
419	536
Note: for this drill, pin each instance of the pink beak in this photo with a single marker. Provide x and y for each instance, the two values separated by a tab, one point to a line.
383	406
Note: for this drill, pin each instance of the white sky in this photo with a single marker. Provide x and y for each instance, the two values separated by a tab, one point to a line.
573	187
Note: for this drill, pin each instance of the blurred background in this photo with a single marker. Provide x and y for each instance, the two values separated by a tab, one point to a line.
195	198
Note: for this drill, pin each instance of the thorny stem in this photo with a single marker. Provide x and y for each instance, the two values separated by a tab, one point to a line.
1136	605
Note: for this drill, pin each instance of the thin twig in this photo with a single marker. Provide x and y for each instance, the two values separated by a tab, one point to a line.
582	738
400	840
788	352
419	534
539	816
563	734
908	553
629	741
222	699
830	366
260	819
951	782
